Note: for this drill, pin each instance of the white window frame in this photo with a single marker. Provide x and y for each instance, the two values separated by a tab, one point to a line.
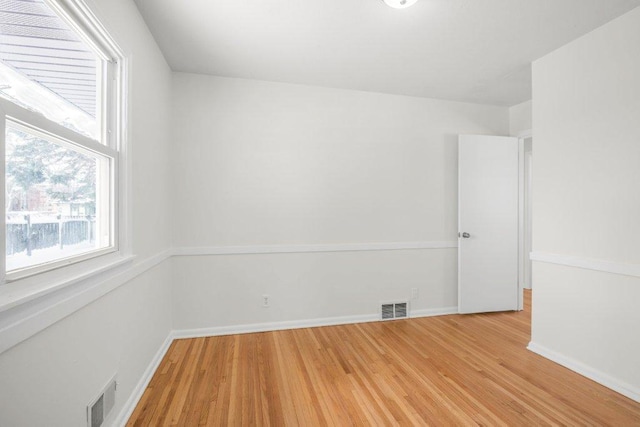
111	114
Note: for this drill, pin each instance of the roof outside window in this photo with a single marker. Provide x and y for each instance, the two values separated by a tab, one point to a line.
38	44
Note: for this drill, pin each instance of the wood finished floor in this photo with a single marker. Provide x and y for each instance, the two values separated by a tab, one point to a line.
448	370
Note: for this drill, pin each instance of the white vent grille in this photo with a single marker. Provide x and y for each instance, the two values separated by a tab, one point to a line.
394	310
99	408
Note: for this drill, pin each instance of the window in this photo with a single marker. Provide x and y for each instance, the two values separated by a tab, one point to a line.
60	96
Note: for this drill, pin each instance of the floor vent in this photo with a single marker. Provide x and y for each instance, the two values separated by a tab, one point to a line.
394	310
99	408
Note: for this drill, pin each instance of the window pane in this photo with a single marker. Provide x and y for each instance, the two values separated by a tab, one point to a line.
56	198
46	67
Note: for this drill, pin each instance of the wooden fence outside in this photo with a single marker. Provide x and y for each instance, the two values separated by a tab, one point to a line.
26	231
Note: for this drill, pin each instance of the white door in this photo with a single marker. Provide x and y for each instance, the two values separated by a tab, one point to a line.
488	216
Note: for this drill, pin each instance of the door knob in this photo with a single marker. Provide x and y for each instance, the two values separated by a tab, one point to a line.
466	235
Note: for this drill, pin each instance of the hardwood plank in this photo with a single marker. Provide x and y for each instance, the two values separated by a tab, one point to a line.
448	370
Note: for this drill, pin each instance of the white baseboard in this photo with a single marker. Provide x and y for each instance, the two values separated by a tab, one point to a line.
274	326
298	324
430	312
140	388
593	374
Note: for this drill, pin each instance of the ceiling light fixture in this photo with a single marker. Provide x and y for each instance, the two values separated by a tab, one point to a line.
399	4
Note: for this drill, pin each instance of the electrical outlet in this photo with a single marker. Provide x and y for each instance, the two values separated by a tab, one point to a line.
265	301
414	293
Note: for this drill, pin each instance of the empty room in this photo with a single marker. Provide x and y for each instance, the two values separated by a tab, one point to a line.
321	212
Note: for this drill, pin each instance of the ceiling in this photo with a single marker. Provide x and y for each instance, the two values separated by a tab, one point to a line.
463	50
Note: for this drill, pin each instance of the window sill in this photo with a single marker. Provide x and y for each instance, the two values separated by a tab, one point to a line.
21	291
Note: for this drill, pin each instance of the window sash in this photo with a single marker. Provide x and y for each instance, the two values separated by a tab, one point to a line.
110	75
80	18
37	124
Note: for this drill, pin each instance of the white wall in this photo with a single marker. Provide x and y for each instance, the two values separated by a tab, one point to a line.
586	203
274	164
49	379
520	118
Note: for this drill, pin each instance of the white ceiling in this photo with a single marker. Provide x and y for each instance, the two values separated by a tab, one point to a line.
464	50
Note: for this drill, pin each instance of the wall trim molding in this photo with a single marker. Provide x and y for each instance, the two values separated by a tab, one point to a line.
139	389
598	376
587	263
287	249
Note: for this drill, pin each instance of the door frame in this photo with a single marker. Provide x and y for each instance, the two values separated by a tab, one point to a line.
521	215
528	166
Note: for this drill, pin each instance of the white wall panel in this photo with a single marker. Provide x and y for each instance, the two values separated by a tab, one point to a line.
262	164
586	202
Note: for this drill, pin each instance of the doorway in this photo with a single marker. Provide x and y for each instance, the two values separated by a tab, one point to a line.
494	214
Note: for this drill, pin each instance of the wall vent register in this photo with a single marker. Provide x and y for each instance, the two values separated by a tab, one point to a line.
395	310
